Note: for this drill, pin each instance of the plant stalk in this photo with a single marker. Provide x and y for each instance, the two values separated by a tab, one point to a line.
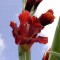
24	3
23	55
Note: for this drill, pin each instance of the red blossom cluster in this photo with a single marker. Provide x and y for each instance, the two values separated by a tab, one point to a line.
30	26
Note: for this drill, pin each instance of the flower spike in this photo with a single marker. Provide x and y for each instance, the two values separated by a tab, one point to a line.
26	34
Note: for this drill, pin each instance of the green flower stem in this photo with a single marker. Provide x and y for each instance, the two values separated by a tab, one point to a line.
55	49
24	3
32	11
23	55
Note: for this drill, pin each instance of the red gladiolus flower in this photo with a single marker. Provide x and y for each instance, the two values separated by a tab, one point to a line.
27	32
46	55
47	17
24	17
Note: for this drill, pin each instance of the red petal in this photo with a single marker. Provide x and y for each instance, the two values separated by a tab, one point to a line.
13	25
16	36
31	29
37	24
42	40
17	41
22	30
24	17
34	19
47	18
20	40
51	11
37	27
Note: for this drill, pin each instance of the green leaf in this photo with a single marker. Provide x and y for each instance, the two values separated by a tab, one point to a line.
56	44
